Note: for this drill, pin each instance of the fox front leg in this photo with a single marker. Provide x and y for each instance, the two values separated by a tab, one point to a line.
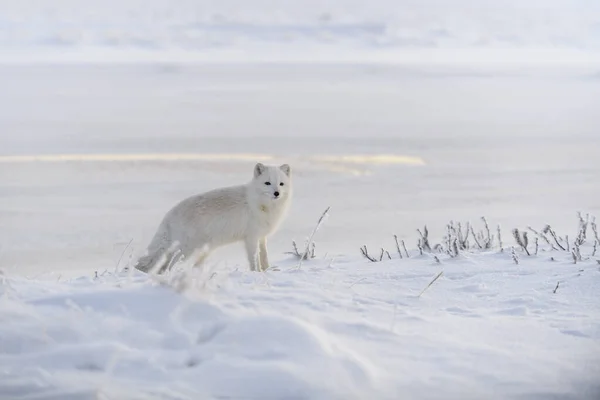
264	258
252	252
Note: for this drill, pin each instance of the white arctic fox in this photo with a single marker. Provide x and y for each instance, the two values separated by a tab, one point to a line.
201	223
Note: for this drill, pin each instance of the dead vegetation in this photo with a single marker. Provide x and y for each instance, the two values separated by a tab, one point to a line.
309	246
467	237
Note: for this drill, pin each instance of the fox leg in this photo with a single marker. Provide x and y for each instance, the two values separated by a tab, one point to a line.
152	262
252	253
264	257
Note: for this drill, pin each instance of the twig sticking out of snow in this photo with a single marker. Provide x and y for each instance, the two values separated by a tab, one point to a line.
453	239
455	248
488	238
576	253
297	253
521	240
356	281
122	254
388	255
312	235
475	238
457	238
514	255
536	245
500	239
431	283
405	251
463	239
543	236
583	226
595	248
483	238
556	288
365	253
549	230
595	230
424	242
398	246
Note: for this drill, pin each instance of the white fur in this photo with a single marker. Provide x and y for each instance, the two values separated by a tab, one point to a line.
202	223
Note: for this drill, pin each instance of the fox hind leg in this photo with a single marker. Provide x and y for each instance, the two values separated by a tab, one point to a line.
153	262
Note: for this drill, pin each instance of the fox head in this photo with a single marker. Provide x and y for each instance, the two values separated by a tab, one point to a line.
272	183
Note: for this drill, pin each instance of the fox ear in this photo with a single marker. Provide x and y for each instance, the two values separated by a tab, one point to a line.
286	169
258	170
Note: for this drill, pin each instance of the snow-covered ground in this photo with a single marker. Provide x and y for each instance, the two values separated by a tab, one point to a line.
335	327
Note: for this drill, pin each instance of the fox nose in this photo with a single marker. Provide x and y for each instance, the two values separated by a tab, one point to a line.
276	194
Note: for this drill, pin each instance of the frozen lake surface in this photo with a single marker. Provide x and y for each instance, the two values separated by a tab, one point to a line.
519	147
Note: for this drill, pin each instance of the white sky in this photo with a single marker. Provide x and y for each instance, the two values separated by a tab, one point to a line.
571	24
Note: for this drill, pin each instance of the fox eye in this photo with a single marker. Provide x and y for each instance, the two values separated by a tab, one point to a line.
267	183
281	184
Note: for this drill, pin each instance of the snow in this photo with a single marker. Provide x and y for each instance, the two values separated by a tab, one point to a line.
338	327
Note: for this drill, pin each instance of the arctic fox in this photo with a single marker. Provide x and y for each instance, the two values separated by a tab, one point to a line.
201	223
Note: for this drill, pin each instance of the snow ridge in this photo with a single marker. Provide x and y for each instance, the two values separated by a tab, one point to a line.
341	328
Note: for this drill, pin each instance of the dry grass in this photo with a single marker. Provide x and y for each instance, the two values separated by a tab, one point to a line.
431	283
466	237
310	244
